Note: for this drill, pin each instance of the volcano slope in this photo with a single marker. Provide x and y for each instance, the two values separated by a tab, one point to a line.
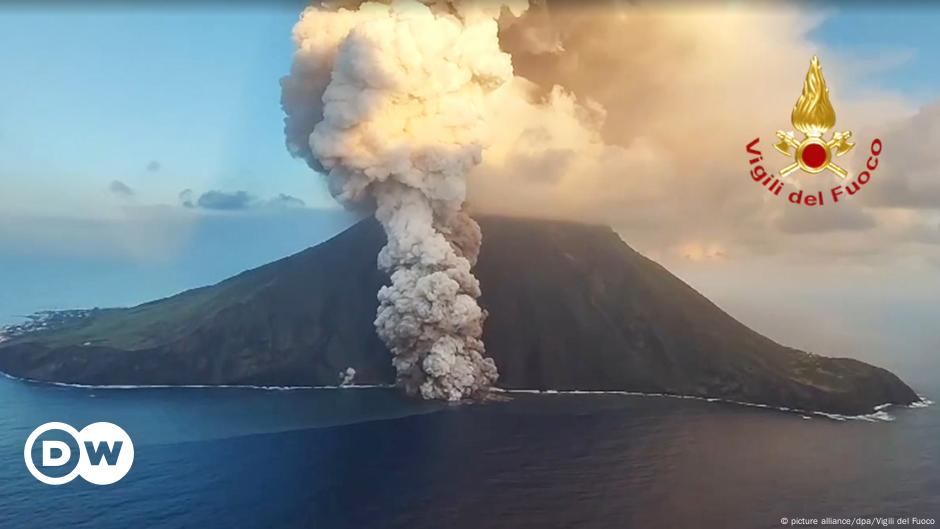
571	307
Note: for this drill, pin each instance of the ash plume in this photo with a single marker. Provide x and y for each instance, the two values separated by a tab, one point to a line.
388	102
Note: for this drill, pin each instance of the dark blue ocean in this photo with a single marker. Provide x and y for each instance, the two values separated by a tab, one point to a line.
367	458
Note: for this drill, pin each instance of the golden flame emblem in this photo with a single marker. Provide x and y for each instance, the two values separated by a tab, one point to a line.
813	115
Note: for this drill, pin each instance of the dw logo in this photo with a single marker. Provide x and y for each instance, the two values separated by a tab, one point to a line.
102	453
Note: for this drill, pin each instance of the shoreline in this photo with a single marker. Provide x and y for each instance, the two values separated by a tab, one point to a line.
878	414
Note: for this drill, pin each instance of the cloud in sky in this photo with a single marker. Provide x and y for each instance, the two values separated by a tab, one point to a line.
848	217
240	200
226	201
153	166
186	198
286	201
120	189
637	117
910	178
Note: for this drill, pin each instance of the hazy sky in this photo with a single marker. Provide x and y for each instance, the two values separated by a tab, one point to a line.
189	99
107	118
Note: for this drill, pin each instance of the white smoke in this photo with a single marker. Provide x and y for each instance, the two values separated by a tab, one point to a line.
388	101
347	376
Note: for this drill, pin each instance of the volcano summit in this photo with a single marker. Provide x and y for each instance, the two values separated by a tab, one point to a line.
571	307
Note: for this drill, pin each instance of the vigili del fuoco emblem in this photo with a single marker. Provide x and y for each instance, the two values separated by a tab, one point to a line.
813	116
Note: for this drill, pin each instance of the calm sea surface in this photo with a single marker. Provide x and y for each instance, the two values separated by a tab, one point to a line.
242	458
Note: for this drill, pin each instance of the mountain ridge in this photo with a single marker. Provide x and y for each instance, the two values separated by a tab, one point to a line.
572	307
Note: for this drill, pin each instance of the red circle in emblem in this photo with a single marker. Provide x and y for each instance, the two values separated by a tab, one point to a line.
814	155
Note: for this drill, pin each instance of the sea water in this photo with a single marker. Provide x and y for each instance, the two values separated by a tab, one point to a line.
369	458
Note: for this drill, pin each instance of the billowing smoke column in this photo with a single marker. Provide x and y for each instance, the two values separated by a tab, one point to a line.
387	101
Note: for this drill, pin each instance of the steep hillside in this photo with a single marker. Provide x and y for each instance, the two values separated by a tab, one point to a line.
571	307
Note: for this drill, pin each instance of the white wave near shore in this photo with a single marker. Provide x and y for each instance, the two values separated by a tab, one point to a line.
878	415
193	386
